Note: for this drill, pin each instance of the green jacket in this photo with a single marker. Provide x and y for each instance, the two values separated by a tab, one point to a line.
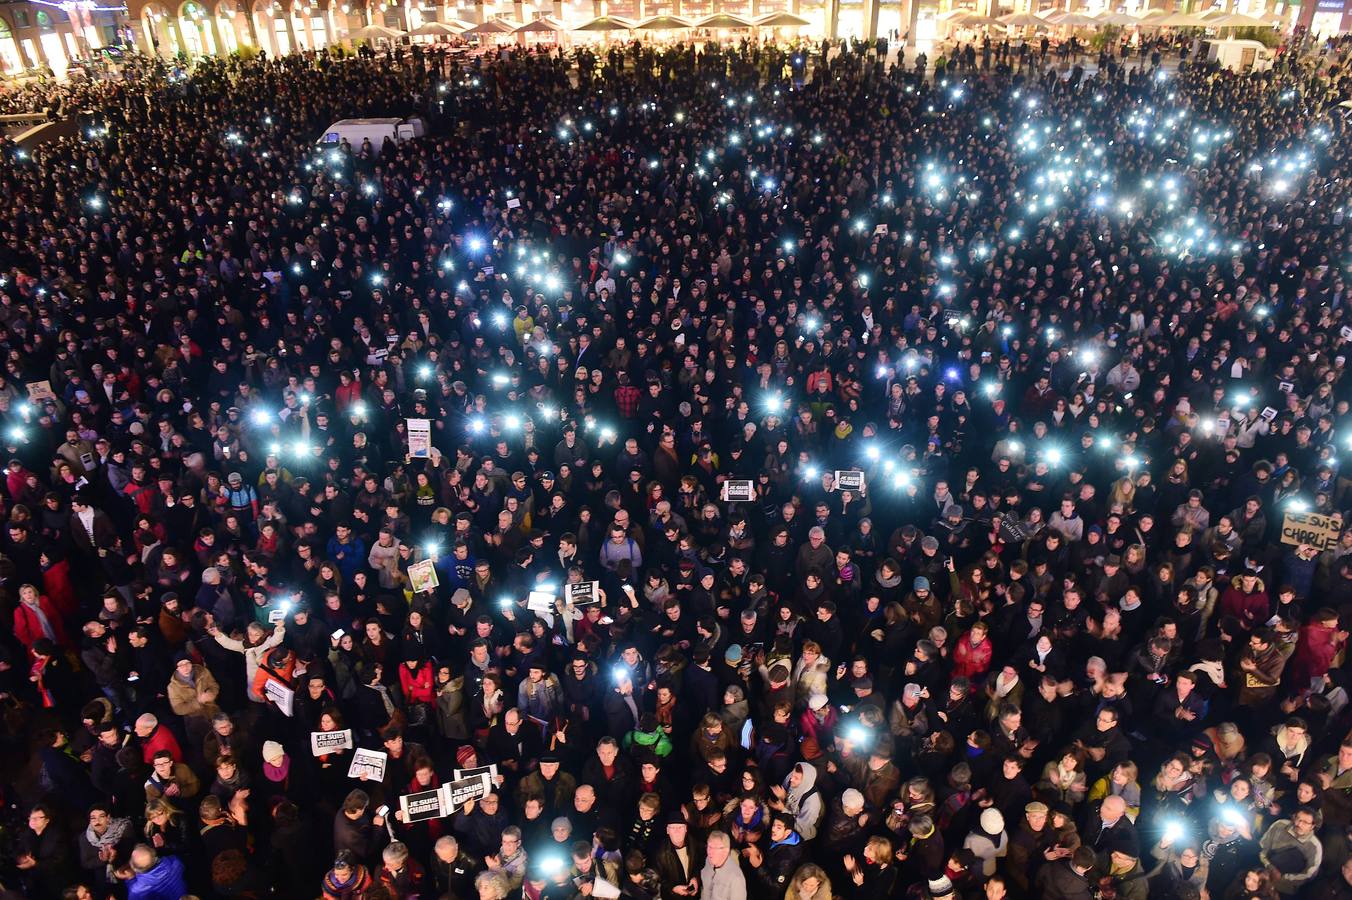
656	741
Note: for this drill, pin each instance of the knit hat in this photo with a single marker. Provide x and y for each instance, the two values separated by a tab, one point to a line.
733	654
816	701
940	887
991	821
464	755
273	752
921	583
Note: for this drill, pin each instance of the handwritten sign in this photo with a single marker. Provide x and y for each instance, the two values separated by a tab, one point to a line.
460	792
371	763
422	576
540	601
1316	529
280	694
323	743
40	390
738	491
582	594
423	806
420	438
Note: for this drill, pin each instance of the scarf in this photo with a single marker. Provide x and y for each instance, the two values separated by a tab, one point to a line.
117	829
43	623
384	697
665	712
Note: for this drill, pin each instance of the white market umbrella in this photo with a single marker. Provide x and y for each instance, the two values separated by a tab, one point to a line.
492	26
1022	20
781	20
723	20
438	29
663	23
607	23
540	26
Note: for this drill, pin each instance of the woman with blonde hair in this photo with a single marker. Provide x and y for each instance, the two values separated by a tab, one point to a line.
1124	492
809	883
1123	781
166	829
876	874
811	674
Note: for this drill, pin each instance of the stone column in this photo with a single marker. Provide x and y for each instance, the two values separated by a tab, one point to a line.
292	42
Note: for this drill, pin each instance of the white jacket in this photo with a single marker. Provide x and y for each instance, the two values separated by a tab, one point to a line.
253	656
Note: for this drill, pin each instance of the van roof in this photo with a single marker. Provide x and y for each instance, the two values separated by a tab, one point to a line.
384	121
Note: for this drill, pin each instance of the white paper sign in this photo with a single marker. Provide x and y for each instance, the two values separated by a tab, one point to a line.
583	594
323	743
604	890
280	694
423	806
458	793
514	203
371	762
738	490
420	438
540	602
490	770
849	480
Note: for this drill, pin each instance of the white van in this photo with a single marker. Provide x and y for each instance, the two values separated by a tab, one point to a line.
1239	55
354	131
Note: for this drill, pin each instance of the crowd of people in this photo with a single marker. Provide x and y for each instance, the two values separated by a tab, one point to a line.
927	440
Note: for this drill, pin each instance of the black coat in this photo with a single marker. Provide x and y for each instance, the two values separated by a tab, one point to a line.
771	878
455	879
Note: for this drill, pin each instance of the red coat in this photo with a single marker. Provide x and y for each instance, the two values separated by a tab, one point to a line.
969	661
1315	650
417	683
161	739
347	394
56	585
28	627
1250	609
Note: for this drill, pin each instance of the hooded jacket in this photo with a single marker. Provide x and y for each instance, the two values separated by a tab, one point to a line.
164	882
781	861
1252	609
804	802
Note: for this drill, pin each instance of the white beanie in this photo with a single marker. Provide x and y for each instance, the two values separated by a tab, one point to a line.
992	822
